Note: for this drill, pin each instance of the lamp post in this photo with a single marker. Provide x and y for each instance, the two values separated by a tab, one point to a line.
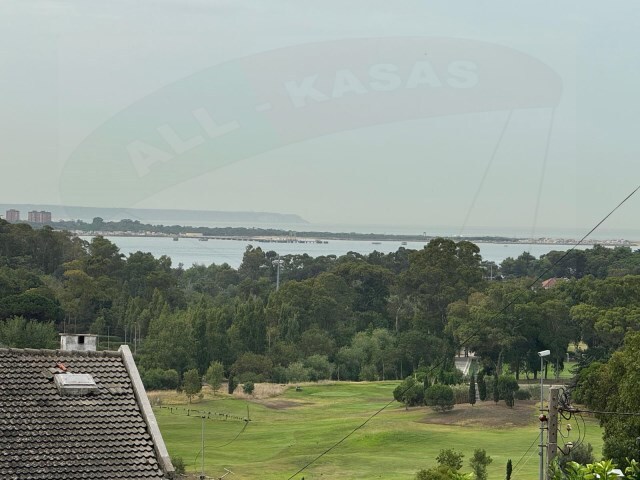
542	355
277	262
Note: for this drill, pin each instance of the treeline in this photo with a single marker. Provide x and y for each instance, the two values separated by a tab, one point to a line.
135	226
353	317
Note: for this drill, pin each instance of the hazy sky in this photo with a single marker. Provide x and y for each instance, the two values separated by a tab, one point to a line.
411	113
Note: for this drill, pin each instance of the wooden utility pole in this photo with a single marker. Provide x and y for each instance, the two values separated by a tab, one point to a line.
552	426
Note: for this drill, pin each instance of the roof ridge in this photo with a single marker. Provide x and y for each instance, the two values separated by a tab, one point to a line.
51	352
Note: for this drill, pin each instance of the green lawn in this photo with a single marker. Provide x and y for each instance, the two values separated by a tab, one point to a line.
288	431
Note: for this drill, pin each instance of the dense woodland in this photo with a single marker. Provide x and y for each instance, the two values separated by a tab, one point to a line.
354	317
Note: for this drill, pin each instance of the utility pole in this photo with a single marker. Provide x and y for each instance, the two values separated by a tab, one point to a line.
552	425
202	476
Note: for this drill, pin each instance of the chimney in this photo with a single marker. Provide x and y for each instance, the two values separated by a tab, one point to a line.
75	342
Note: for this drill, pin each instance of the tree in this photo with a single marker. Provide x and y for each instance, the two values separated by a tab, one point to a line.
439	397
450	458
507	386
509	469
214	375
472	391
18	332
192	383
496	392
482	387
615	387
479	463
409	392
231	386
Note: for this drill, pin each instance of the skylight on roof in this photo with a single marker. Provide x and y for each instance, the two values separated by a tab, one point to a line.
75	383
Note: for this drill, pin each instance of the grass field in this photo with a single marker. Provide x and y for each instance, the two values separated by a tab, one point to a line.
290	429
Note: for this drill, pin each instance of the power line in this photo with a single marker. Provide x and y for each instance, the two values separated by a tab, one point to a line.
515	468
600	412
470	337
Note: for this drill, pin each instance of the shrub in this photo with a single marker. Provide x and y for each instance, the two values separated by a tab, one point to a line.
439	397
158	379
460	394
319	367
248	388
232	384
523	394
178	465
482	387
507	386
296	372
409	392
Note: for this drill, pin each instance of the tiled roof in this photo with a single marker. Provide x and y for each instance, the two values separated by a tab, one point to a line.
45	435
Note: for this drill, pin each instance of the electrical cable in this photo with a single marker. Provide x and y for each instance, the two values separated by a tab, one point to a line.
244	427
473	335
524	455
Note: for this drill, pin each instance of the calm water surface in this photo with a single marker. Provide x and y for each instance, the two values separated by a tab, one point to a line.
189	251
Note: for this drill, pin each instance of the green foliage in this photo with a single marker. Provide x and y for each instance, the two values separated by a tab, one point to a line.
581	453
439	397
232	384
319	367
507	386
450	458
522	394
615	386
252	365
479	463
495	389
158	379
17	332
214	375
248	388
509	469
482	387
179	465
297	372
472	391
192	383
410	392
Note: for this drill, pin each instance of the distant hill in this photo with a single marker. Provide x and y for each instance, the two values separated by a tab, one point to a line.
164	216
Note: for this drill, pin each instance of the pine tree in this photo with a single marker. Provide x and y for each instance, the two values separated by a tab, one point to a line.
509	469
496	392
472	391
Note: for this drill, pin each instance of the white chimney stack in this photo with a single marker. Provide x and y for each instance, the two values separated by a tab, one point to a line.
81	343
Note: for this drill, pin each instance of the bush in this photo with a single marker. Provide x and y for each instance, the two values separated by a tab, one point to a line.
409	392
507	386
248	388
482	387
158	379
231	386
319	367
450	377
296	372
460	394
522	394
178	465
439	397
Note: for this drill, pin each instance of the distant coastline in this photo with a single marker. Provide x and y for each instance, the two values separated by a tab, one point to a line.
133	228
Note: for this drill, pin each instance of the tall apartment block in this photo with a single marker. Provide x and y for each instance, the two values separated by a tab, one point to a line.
13	215
39	217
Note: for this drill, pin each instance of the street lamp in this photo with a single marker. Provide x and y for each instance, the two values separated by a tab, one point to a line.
542	355
278	262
